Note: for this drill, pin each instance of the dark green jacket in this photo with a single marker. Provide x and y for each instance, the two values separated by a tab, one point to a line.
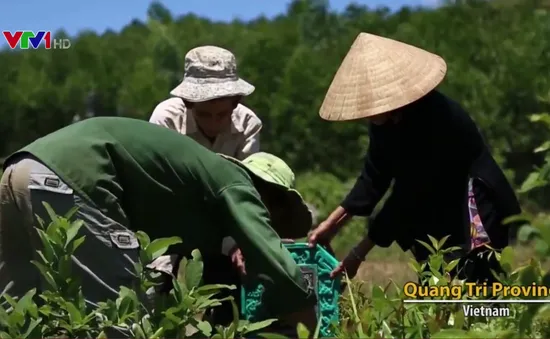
153	179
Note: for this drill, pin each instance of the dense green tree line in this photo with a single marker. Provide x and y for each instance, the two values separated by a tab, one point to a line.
498	56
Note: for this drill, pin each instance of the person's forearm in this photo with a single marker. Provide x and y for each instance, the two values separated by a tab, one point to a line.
364	247
338	218
337	215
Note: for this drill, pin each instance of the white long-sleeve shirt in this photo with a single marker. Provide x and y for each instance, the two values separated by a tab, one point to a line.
240	141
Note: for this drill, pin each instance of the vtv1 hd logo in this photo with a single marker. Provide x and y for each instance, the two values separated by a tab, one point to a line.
27	39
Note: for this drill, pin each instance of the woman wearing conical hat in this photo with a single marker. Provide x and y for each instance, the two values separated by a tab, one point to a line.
446	182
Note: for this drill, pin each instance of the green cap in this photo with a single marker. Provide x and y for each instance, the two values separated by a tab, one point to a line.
274	171
271	169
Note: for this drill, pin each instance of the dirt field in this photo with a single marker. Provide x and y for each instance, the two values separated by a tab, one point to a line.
392	263
384	264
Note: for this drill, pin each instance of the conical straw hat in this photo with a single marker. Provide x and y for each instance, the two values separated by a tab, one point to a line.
379	75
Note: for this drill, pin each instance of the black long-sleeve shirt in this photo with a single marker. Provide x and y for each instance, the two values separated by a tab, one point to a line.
431	153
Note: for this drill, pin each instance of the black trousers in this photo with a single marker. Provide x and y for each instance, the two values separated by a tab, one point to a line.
478	264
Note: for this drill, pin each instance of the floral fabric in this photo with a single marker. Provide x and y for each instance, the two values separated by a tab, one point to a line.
478	235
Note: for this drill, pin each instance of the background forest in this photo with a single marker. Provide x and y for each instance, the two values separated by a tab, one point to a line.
498	56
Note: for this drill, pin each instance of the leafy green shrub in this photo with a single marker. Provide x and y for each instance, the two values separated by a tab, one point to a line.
386	315
60	310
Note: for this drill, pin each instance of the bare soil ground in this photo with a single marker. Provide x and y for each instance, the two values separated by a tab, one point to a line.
386	264
383	265
379	273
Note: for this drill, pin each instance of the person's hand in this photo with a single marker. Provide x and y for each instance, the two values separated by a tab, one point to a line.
322	234
237	259
287	241
350	265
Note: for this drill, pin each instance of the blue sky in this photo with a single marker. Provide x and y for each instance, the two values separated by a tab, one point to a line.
100	15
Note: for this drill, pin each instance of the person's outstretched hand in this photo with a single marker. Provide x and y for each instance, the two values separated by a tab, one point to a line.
350	265
322	234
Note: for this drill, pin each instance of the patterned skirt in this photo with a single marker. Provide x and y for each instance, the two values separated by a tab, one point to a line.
478	235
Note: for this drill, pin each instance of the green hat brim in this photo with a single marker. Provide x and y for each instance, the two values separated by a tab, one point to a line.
299	220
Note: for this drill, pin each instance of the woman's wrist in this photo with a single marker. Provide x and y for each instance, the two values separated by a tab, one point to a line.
363	248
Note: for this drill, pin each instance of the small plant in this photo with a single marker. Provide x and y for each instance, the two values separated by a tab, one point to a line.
59	310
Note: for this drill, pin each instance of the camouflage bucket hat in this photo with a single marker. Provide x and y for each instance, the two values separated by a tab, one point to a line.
297	222
211	73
